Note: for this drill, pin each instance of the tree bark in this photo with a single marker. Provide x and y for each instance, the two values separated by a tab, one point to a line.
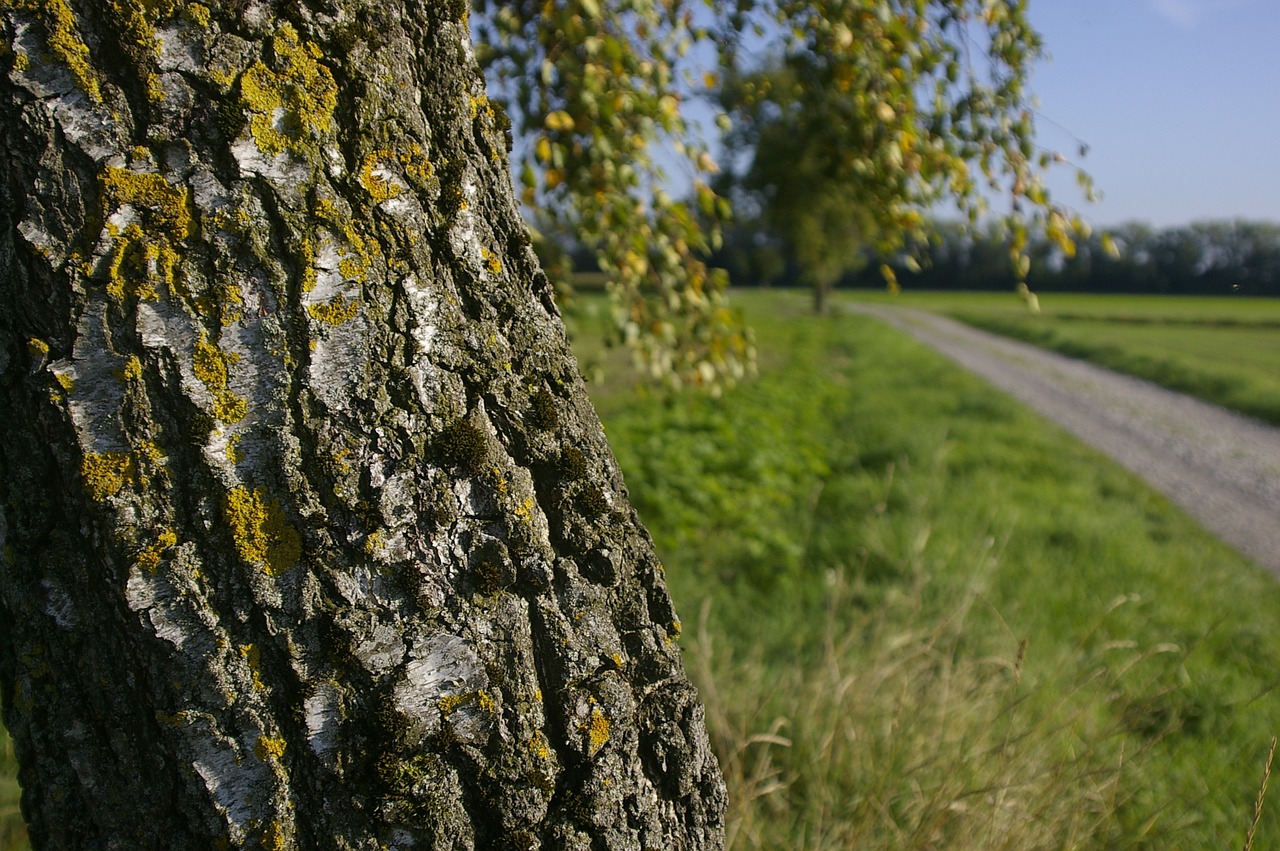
310	536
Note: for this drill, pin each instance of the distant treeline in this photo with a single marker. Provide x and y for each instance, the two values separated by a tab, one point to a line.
1213	257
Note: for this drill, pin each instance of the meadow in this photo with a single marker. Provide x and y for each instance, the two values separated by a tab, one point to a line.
1225	350
921	617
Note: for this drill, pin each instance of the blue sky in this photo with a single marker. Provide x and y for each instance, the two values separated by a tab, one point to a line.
1178	100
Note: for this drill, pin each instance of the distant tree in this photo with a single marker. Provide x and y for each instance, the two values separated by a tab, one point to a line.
870	113
309	535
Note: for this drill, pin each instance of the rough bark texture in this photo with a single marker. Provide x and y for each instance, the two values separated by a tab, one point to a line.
311	537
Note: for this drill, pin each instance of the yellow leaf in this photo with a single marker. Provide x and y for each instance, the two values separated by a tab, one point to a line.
559	121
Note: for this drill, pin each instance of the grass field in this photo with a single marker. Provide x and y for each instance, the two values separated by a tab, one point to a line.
1224	350
920	617
13	835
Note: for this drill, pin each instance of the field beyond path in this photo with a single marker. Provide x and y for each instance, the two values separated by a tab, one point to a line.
1222	468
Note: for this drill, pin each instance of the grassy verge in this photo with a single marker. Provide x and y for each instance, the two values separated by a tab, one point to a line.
13	833
924	618
1224	350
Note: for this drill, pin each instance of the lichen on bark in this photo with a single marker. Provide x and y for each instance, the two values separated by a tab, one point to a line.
311	536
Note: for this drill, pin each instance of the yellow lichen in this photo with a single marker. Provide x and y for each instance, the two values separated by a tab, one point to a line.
155	88
491	261
356	253
149	450
273	838
138	19
480	105
209	363
354	264
145	253
597	730
260	530
379	188
307	261
106	473
198	13
37	348
524	511
335	312
540	746
269	748
234	453
132	369
253	658
166	208
149	559
292	102
415	163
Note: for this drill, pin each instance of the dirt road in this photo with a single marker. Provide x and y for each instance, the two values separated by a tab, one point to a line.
1220	467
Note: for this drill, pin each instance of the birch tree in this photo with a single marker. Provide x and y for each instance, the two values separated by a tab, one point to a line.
309	536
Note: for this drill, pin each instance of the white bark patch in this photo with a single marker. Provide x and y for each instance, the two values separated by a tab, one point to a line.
43	241
161	328
337	165
462	236
323	714
281	169
382	650
423	309
236	782
424	331
176	53
440	667
471	500
144	596
207	192
337	362
393	549
329	281
398	498
94	401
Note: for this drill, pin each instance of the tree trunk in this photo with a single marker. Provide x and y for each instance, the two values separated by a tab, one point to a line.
311	537
821	289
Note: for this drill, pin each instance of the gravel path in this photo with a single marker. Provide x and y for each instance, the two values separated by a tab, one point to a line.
1220	467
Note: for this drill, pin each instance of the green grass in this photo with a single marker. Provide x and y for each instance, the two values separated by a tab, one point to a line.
922	617
13	834
1224	350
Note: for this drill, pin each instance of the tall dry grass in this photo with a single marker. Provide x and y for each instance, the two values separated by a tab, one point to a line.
898	735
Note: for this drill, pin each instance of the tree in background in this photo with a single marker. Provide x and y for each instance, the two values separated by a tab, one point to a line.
309	535
869	114
863	116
